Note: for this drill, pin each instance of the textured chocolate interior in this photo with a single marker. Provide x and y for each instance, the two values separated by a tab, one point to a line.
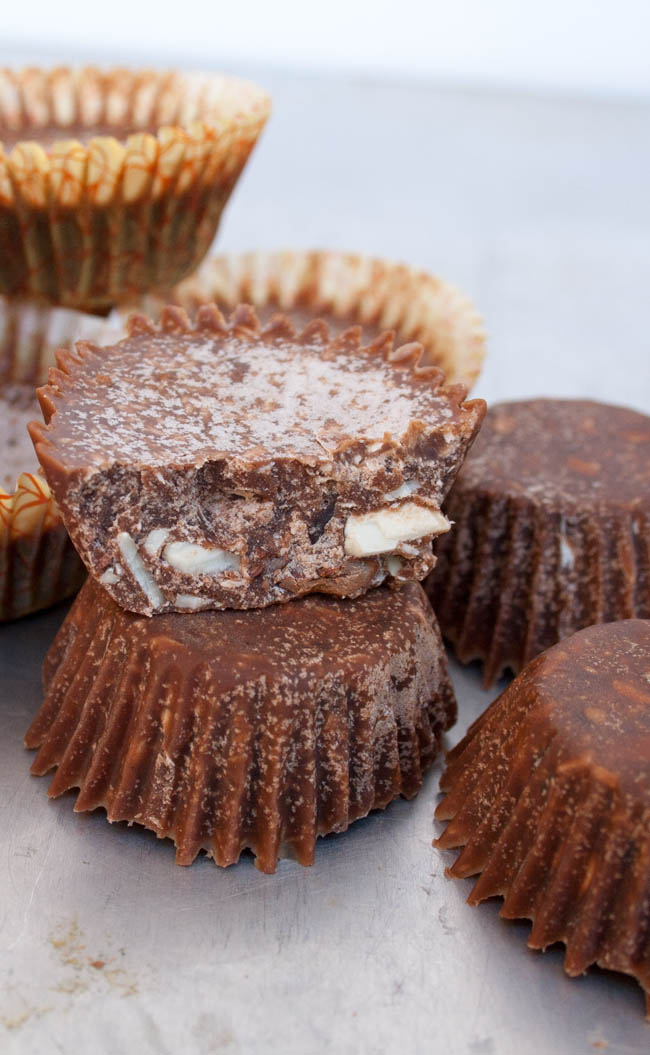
262	729
232	467
552	530
549	794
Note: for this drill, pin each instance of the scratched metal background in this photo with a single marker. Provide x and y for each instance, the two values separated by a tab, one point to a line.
540	209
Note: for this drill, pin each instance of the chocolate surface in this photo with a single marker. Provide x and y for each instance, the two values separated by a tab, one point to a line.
17	407
549	794
566	455
181	397
552	530
262	729
230	466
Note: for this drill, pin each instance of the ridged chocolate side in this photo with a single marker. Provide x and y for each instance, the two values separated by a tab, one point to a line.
548	795
231	730
529	560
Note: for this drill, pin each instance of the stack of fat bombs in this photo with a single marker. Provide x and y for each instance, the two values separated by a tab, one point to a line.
252	662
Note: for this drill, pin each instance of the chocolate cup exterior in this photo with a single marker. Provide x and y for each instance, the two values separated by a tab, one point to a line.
303	547
524	567
230	730
116	180
548	795
345	289
39	566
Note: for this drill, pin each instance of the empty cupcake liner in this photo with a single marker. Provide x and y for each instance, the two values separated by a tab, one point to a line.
345	289
112	183
230	730
548	795
31	333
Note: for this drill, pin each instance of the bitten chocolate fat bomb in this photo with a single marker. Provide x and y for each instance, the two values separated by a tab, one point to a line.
552	530
260	729
224	465
548	794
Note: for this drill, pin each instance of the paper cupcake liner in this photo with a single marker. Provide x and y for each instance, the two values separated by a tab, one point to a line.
548	795
38	564
346	289
31	333
511	578
112	183
159	721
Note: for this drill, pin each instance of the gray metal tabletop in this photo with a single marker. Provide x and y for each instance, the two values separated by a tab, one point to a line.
540	210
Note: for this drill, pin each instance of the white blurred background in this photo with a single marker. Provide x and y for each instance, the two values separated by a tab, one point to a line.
598	47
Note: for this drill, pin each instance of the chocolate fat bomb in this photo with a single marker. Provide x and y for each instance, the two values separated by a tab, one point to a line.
229	466
551	517
549	794
260	729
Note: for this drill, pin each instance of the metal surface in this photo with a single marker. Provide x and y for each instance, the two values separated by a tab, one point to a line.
541	211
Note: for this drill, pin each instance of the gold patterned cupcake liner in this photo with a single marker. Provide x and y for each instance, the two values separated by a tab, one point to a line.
345	289
39	566
112	183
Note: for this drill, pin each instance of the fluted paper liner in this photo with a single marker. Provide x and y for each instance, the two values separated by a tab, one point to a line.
548	795
346	289
38	564
436	418
112	183
31	333
530	561
230	730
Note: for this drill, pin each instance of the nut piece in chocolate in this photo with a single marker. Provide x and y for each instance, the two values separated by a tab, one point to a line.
552	530
549	796
233	730
226	465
